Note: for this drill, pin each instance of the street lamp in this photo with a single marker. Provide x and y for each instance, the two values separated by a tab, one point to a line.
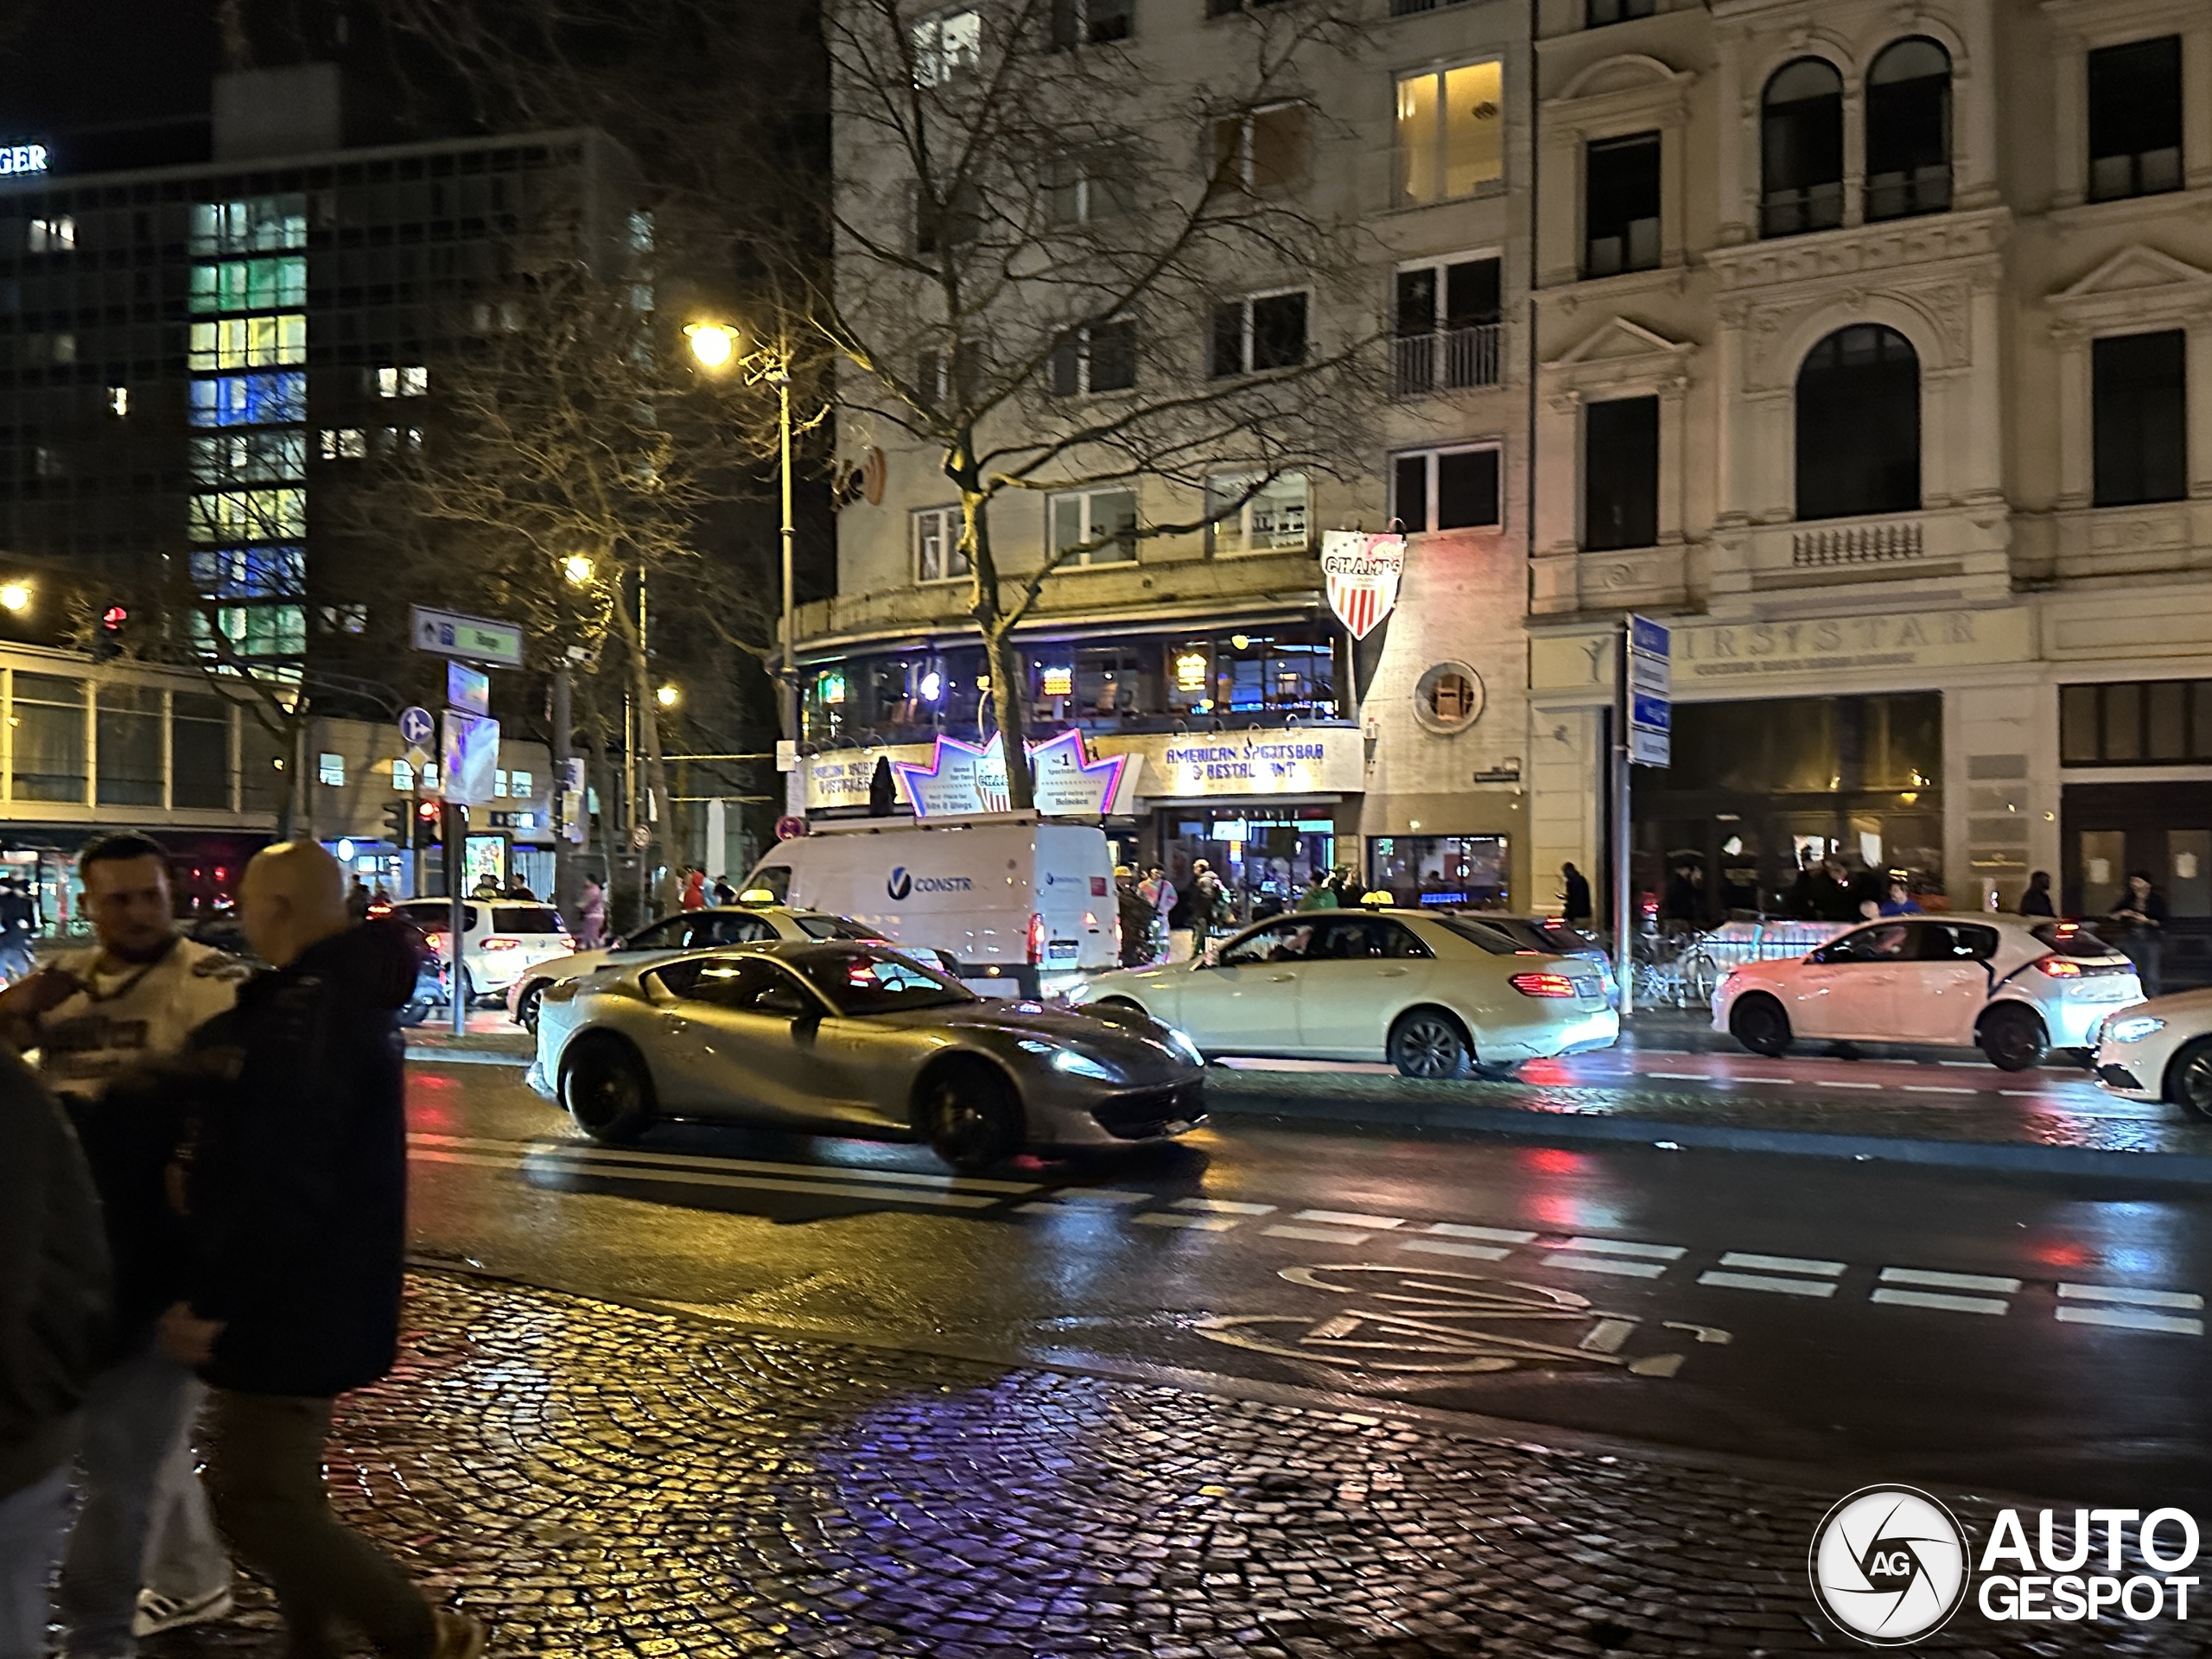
15	596
714	346
667	697
577	568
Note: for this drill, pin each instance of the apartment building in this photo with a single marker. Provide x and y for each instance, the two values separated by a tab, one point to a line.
1258	737
1872	353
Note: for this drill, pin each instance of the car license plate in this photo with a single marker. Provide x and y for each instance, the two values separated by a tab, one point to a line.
1177	1126
1062	950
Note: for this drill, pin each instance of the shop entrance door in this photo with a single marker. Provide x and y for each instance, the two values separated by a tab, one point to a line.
2104	870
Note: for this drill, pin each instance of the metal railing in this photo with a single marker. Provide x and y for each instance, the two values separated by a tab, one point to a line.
1449	359
1684	970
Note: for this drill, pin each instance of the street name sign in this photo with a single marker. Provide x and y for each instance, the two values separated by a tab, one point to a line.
479	639
1650	692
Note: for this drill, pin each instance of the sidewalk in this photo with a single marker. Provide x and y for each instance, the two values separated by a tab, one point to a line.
597	1479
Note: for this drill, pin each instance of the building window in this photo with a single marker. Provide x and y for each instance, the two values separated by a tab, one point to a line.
248	399
331	769
118	400
519	786
344	443
1909	131
1266	331
277	284
265	223
1246	515
1093	527
247	516
1599	13
2135	723
1084	189
1262	151
248	457
1621	199
1445	489
2135	118
1091	23
1858	424
1451	132
1446	327
53	235
1801	150
403	778
2141	410
499	781
1098	357
949	44
941	377
248	572
249	342
1620	474
408	381
938	553
343	618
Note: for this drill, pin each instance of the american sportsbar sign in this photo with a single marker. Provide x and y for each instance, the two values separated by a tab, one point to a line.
1361	572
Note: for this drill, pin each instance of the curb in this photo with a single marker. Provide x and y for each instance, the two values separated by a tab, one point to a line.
1523	1124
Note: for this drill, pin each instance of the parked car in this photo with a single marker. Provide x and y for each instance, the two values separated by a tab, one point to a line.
2016	990
1436	996
502	940
2160	1050
694	930
858	1039
1550	936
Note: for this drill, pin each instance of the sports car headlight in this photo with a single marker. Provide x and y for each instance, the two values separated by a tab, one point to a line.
2133	1030
1181	1043
1076	992
1081	1065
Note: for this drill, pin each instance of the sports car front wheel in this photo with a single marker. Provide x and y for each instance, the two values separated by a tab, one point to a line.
971	1115
608	1091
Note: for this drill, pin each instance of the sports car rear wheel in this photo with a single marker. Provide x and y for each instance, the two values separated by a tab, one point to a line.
1430	1042
971	1115
2189	1078
608	1091
2013	1038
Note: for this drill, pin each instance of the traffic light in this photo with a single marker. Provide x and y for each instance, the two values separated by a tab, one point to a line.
427	813
399	824
108	640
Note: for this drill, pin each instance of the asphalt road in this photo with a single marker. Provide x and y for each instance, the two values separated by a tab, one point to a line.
2037	1336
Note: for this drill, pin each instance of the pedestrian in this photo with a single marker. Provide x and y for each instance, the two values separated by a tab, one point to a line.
144	1556
2036	901
296	1195
487	886
694	889
517	888
725	894
1157	891
668	891
16	929
1574	896
1679	906
591	929
1320	894
1207	897
1900	901
380	900
2140	917
54	1306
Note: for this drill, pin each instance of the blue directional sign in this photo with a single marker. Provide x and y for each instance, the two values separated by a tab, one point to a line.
416	727
1650	691
1656	713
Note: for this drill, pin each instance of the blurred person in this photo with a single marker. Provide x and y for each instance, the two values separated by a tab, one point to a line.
2036	901
517	888
591	917
668	891
17	924
357	900
1574	896
144	1556
1208	899
53	1318
1899	902
296	1195
1157	891
2140	920
725	894
694	889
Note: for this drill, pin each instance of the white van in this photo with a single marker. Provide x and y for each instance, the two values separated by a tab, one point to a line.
1018	902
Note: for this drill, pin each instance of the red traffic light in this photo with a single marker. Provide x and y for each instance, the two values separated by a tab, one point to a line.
113	618
427	811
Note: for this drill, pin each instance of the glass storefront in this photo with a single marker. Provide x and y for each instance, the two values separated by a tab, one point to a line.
1266	857
1455	872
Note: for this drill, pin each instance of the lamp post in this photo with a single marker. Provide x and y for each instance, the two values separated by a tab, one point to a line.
715	347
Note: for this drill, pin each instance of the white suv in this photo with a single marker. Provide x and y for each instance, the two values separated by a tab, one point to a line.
500	939
2014	990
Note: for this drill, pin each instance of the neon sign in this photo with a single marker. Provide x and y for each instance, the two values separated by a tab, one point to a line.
971	777
17	160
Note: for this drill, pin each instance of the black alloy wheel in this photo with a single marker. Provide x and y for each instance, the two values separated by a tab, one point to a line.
2012	1037
1762	1025
971	1115
2189	1078
526	1006
1430	1044
608	1091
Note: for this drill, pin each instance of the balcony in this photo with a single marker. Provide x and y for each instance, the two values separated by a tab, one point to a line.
1963	548
1446	359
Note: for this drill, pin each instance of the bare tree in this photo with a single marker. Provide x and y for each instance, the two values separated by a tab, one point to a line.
1044	254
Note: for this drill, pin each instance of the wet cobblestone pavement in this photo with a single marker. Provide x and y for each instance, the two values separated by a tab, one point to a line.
598	1479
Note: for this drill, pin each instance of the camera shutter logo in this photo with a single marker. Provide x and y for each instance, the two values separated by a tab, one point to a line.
1889	1565
901	886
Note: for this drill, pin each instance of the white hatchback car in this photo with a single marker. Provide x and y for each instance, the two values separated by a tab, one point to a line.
2013	990
501	938
2161	1049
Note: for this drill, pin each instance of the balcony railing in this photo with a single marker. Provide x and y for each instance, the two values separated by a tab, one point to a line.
1446	359
1902	195
1856	545
1808	207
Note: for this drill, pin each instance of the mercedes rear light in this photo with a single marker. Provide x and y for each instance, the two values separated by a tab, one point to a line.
1542	984
1036	937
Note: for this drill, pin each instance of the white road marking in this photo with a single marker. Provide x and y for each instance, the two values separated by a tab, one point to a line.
2023	1094
1605	1264
1760	1077
1935	1088
2132	1319
1948	1281
1938	1300
1683	1077
1224	1207
1450	1246
1100	1195
2183	1299
1203	1223
678	1161
1970	1065
1764	1282
1623	1247
1494	1235
1841	1082
616	1171
1319	1235
1350	1218
1781	1263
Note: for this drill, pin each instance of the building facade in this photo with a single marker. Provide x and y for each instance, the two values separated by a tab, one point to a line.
1872	354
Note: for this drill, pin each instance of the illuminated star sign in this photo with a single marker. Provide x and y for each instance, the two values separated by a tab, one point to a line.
962	776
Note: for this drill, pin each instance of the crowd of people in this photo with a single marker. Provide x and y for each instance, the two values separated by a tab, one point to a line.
202	1227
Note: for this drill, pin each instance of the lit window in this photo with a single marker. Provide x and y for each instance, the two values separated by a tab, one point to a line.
118	400
249	457
278	285
937	555
249	342
499	781
250	572
331	769
249	399
344	618
248	515
344	443
1451	132
265	224
1248	516
406	381
403	778
949	44
519	785
1093	527
53	235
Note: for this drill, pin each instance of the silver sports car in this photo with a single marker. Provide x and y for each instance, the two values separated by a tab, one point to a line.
855	1039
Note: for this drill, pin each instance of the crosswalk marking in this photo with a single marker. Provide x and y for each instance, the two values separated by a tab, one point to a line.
1948	1281
2182	1299
1493	1234
1940	1300
1224	1207
1319	1234
1605	1264
1452	1247
1780	1263
1201	1223
2132	1319
1625	1247
1821	1287
1350	1218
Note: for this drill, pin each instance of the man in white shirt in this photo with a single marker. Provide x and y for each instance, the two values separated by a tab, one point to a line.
143	1555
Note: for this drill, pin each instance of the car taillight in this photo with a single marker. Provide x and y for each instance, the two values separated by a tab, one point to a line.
1542	984
1036	937
495	943
2058	967
567	942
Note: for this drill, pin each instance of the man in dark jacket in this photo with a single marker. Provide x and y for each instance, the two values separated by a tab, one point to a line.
298	1207
53	1285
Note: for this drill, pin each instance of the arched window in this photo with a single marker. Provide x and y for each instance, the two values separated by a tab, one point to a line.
1909	131
1801	148
1858	424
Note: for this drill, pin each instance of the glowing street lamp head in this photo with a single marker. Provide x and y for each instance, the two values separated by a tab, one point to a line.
667	697
712	343
14	596
578	569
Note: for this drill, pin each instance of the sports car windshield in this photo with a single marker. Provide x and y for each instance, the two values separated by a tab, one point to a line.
875	981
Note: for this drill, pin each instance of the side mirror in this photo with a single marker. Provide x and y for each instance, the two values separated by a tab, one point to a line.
789	1005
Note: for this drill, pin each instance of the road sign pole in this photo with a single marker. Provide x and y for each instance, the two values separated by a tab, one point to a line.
456	935
1624	897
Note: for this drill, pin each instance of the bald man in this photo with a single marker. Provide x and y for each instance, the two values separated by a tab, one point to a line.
298	1211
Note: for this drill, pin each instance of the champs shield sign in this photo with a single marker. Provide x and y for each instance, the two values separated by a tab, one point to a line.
1362	574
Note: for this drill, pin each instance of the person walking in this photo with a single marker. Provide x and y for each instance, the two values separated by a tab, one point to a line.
1157	891
357	900
1574	896
694	889
2036	901
668	891
591	918
296	1190
2141	918
1207	897
142	1556
53	1308
16	929
725	894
